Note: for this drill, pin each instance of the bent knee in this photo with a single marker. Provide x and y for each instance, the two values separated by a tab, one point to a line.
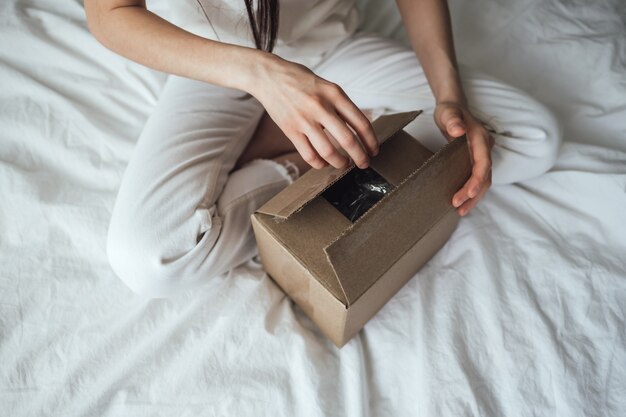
530	149
139	262
548	138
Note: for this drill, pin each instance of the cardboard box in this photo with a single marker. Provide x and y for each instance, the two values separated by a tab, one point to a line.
341	273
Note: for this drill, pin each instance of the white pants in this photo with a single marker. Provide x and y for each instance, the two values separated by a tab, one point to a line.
180	218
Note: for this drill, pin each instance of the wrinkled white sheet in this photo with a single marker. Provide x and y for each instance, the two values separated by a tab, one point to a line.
521	314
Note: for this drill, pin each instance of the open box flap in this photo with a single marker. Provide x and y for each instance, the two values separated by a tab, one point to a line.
382	235
315	181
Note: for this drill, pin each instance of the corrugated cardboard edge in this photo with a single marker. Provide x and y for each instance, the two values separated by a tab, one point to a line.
418	171
435	225
285	248
414	173
401	272
294	278
338	322
314	182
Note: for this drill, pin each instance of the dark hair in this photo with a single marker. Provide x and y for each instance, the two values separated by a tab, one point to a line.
264	23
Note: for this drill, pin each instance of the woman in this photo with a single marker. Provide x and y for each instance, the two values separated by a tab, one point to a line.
253	87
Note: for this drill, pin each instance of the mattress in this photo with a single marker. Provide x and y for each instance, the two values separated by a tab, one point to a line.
522	313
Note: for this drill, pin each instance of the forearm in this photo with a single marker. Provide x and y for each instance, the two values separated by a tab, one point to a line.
428	25
138	34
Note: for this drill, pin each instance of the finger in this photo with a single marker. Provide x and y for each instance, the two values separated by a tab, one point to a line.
352	115
492	142
478	139
368	113
480	173
325	148
461	196
481	176
471	203
347	140
308	153
480	154
453	122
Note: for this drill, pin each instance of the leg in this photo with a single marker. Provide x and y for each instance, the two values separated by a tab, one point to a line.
180	218
376	72
269	142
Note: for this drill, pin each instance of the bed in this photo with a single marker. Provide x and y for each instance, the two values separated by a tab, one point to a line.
521	314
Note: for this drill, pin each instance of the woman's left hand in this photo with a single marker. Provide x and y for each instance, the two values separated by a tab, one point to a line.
454	120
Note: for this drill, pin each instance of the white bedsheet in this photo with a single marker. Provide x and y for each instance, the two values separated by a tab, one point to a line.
522	313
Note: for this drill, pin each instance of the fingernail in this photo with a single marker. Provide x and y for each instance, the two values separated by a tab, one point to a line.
472	193
456	126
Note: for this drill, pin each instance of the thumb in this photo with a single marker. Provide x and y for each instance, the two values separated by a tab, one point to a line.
455	126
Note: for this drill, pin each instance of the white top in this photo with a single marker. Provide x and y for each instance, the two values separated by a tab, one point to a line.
307	28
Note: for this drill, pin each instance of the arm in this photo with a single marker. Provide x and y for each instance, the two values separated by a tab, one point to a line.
129	29
428	26
301	106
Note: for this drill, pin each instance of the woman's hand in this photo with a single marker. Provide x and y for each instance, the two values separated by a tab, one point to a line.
303	105
454	120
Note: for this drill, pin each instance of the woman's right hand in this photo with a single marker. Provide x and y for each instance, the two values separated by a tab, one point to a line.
300	103
303	105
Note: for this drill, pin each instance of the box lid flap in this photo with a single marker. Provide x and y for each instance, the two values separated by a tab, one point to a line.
364	252
315	181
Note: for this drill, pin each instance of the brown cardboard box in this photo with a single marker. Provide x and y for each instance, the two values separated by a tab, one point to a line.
341	273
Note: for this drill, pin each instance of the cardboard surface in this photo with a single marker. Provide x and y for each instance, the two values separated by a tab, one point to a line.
307	243
394	169
341	273
400	272
315	181
383	234
302	286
